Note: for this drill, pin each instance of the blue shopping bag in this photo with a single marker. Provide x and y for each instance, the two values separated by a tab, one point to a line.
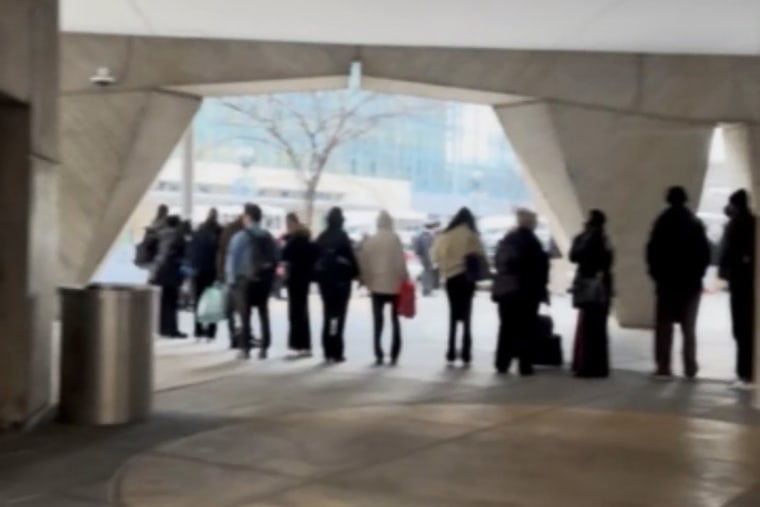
212	305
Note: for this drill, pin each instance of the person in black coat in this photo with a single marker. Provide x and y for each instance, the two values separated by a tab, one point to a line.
678	255
519	287
592	289
335	271
167	274
737	267
204	246
299	256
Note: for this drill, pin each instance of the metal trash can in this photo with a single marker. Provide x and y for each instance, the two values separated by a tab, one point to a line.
107	334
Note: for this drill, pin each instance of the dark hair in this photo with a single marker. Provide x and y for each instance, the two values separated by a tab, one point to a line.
463	217
677	196
253	212
335	218
596	218
292	217
162	212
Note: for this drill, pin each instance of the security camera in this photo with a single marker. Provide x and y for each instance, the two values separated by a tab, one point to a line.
103	77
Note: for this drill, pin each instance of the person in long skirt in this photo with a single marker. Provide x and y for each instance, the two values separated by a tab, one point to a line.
299	256
592	294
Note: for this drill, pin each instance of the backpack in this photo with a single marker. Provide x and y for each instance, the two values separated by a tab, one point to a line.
332	266
147	249
263	256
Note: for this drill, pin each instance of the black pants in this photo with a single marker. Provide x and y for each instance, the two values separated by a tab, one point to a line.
518	322
677	309
299	337
250	295
743	320
200	284
335	299
379	301
460	291
167	320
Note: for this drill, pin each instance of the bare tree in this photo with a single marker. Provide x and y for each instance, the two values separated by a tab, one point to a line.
309	127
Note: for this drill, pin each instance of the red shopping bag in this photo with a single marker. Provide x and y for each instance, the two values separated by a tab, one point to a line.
406	303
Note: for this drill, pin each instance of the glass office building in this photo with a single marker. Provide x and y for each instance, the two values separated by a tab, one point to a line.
452	153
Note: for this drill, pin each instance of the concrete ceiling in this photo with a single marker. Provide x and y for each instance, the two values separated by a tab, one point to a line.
657	26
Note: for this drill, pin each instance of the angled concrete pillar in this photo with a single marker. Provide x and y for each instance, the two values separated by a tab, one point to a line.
576	159
28	167
113	146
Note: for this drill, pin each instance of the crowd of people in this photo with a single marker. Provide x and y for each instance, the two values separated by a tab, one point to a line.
245	257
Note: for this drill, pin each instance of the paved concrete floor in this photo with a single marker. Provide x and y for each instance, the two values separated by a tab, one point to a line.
292	433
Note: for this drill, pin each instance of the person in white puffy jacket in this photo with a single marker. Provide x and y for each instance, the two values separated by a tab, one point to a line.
383	270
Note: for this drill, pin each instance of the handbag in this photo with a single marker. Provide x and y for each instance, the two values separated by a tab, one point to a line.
406	303
212	305
476	267
588	291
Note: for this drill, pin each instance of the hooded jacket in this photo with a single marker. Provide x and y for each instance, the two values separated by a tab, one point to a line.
382	260
335	245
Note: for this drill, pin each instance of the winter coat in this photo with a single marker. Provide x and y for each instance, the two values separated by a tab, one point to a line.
678	252
382	260
203	249
592	253
167	268
299	255
336	260
452	247
522	267
737	257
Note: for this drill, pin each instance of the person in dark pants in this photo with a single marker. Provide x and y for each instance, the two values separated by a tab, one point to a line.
678	255
383	270
251	262
335	271
167	274
228	232
299	256
737	267
204	245
451	250
592	289
519	287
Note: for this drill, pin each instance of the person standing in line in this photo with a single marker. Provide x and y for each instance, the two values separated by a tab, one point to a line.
335	271
383	270
678	255
519	287
423	246
451	251
592	294
228	232
299	256
204	245
167	274
251	262
737	267
147	249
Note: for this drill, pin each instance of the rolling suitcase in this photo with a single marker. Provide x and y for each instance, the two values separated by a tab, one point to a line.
547	346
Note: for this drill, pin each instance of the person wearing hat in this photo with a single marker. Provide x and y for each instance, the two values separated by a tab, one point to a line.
678	255
592	295
737	267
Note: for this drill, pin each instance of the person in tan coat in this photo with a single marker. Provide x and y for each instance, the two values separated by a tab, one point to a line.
454	249
383	270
